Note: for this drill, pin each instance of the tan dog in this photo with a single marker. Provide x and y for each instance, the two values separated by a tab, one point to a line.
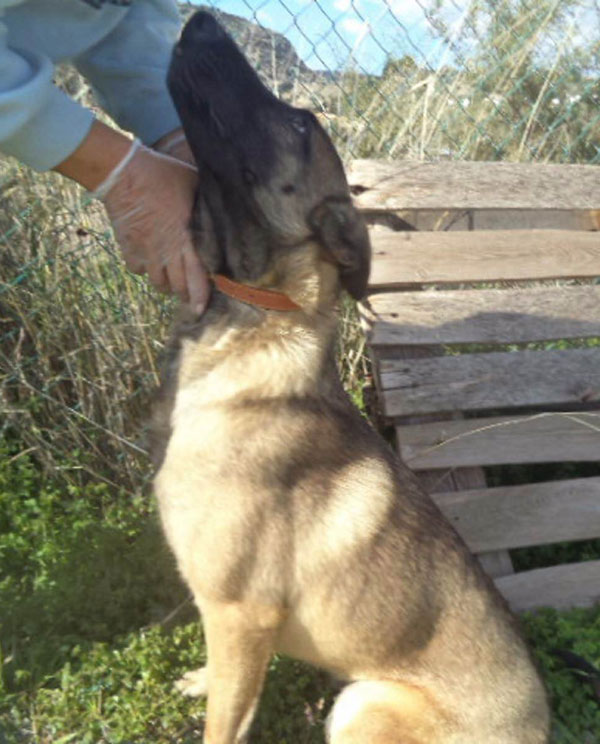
295	526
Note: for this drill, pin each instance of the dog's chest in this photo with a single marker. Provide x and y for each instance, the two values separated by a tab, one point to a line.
221	527
217	487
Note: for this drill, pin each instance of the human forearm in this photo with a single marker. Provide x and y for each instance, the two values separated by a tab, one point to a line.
39	124
128	69
96	157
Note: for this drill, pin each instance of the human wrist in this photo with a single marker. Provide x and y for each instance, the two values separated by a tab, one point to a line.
170	140
96	157
115	175
175	145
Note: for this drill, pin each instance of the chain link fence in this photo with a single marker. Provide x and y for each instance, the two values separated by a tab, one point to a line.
404	79
427	79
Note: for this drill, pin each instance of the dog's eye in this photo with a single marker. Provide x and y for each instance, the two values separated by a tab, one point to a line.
249	177
300	124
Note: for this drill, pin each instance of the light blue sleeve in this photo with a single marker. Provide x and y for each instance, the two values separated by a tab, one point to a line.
128	69
39	125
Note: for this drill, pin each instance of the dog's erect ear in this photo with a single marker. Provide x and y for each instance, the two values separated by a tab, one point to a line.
344	238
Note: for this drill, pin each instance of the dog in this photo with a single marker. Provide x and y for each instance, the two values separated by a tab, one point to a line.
295	526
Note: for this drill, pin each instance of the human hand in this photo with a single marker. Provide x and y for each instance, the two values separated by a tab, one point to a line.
149	199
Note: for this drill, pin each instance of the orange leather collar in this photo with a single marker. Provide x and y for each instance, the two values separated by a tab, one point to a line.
268	299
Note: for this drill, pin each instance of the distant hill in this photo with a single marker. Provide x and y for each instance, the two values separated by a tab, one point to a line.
270	53
273	57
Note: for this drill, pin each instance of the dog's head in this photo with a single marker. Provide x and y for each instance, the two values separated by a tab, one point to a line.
270	175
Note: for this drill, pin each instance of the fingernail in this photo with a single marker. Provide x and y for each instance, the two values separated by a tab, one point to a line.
200	308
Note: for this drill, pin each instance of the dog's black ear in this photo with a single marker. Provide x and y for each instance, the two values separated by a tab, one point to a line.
343	235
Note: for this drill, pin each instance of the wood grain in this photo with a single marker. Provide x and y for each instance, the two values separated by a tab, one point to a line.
521	516
484	219
404	258
495	563
487	381
456	185
484	316
501	222
547	437
561	587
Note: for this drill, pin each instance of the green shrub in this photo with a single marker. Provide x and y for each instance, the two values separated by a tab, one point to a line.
84	565
576	711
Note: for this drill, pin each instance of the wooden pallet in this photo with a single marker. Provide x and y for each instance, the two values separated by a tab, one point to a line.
482	327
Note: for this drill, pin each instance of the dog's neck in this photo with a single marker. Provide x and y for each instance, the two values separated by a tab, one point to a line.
297	281
287	349
266	299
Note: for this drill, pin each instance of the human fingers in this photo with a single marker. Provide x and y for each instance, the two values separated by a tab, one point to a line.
198	283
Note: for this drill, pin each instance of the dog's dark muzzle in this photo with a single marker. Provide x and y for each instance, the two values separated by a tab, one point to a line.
208	67
201	29
223	105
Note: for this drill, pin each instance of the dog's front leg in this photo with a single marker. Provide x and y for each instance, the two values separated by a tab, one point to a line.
239	640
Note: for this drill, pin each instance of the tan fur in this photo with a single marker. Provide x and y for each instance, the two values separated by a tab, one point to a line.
298	532
384	713
294	524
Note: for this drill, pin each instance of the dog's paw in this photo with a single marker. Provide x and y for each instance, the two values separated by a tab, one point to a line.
193	684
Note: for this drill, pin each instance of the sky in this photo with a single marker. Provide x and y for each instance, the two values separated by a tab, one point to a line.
330	34
327	34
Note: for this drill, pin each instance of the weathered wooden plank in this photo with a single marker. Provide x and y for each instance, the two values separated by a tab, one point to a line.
534	219
545	437
402	258
520	516
465	185
487	381
561	587
484	219
495	563
484	316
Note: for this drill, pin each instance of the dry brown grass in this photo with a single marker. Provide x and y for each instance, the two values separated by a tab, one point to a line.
79	336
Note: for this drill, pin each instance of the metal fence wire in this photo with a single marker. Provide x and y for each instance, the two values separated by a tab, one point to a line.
429	79
403	79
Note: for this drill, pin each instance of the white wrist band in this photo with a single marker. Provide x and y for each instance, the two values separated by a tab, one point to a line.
168	147
102	190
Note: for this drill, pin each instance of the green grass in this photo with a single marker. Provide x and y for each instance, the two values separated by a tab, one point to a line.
96	626
576	711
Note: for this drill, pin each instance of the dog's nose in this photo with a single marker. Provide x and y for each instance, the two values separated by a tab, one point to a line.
202	28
